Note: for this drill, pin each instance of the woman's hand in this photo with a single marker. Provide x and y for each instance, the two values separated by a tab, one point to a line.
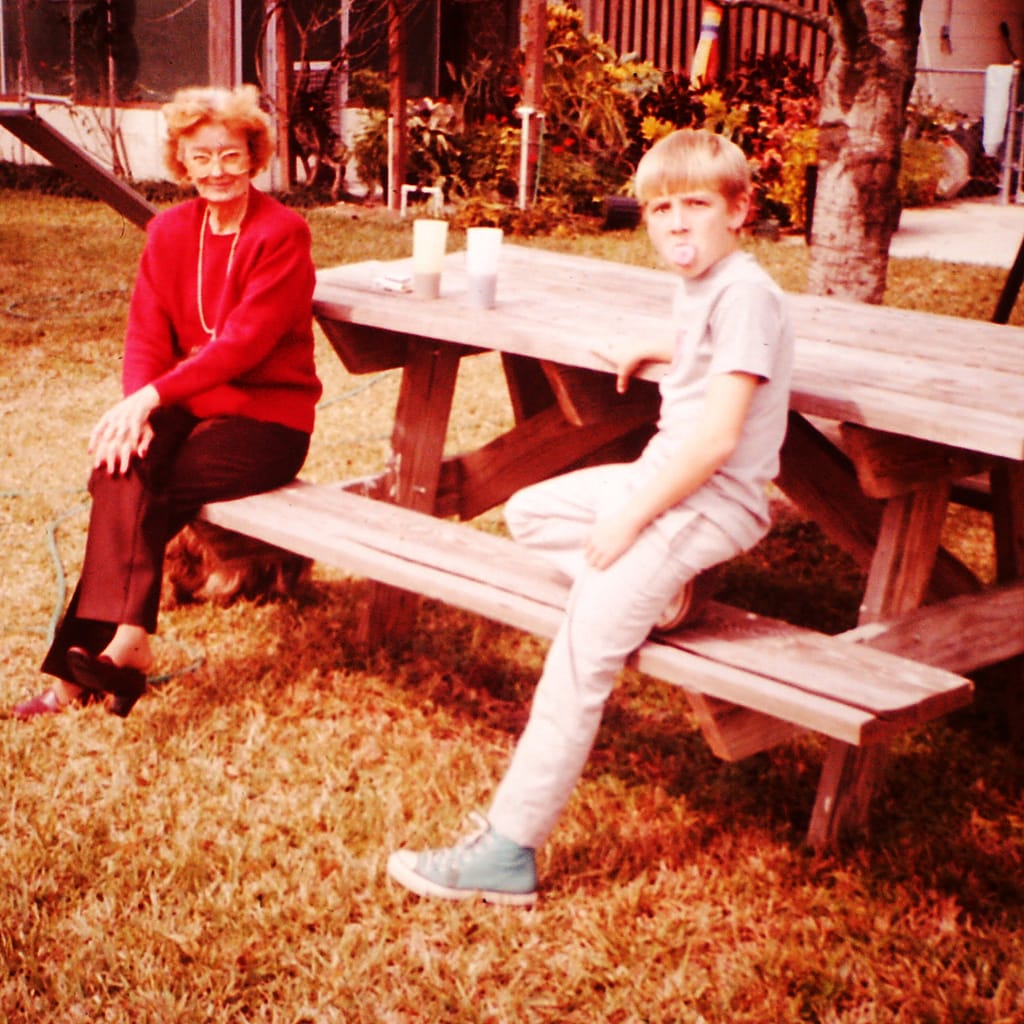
124	430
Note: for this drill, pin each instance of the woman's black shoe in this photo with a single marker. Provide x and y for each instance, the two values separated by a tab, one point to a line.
123	685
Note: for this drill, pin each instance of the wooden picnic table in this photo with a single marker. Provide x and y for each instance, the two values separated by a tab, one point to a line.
890	411
923	401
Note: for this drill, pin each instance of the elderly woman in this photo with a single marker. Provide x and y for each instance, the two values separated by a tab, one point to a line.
220	389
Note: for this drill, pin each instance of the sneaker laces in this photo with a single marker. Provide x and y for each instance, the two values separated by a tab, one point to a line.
446	858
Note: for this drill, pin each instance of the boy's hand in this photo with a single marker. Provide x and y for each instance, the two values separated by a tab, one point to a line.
609	539
627	358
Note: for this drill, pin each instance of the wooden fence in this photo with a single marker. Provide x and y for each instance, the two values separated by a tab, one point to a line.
665	32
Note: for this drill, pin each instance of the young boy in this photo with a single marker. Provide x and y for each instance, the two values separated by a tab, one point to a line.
633	536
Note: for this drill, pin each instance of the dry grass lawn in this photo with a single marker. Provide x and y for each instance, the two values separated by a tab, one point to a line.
217	858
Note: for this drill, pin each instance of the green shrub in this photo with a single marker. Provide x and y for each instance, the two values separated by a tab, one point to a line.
920	171
370	150
591	95
490	159
789	189
767	107
368	88
546	216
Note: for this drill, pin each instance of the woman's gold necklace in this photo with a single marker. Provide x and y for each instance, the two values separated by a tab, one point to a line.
199	268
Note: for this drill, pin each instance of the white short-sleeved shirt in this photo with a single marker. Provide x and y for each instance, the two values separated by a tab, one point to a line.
732	319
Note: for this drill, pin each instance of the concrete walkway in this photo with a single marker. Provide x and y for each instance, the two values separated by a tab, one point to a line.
962	231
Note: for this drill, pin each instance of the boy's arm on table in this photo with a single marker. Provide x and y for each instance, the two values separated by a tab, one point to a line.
627	357
725	409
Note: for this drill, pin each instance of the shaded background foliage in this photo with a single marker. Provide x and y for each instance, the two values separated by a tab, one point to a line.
602	110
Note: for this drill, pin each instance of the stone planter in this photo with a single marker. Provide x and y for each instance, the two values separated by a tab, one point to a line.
620	212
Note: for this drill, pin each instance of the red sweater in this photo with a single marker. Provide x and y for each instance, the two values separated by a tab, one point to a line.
260	364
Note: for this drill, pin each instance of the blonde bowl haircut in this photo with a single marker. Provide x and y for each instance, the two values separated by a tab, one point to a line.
693	160
236	109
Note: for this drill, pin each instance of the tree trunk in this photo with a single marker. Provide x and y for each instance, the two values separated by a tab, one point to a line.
397	148
864	100
534	31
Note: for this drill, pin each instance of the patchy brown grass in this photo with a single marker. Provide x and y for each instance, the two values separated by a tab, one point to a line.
217	857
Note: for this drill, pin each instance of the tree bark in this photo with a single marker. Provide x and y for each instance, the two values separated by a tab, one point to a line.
534	34
864	99
397	159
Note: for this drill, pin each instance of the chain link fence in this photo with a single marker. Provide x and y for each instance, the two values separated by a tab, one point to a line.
960	100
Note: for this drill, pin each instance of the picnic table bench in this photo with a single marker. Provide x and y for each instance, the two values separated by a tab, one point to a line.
752	681
912	423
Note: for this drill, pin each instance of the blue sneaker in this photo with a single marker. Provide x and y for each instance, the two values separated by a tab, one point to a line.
484	864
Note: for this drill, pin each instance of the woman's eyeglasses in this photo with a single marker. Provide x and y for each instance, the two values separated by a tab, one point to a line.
230	161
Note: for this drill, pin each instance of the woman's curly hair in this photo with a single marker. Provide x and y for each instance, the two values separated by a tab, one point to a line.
237	109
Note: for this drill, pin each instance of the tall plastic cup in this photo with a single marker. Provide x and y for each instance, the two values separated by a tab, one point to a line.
429	238
483	247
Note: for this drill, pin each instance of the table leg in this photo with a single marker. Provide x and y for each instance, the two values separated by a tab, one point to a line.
844	791
904	557
898	540
820	479
1008	519
901	568
528	387
1007	481
417	444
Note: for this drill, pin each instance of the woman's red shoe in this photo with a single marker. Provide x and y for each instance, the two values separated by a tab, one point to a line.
46	703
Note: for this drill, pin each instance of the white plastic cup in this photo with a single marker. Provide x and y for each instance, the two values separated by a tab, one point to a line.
429	238
483	247
482	290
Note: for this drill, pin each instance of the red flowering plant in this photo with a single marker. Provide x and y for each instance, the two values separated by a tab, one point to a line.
769	107
590	93
783	103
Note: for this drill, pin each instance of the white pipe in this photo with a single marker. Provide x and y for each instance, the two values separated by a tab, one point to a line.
391	188
525	113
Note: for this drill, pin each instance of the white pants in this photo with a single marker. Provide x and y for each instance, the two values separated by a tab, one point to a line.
610	613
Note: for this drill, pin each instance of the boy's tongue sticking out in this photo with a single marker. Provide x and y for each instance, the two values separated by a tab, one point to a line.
685	254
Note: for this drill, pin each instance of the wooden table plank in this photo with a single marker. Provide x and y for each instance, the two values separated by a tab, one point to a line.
962	634
813	681
937	378
983	412
887	329
324	519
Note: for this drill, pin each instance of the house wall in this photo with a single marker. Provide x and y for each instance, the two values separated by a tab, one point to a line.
139	130
141	133
959	39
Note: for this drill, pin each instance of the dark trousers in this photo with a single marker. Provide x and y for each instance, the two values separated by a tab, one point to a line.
134	515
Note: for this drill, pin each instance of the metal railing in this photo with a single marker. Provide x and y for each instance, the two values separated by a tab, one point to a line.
994	171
